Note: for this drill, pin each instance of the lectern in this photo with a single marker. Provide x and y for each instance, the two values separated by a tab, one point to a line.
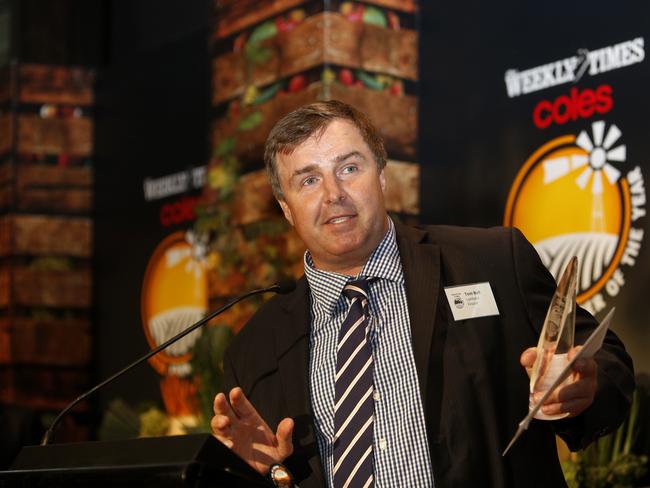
197	460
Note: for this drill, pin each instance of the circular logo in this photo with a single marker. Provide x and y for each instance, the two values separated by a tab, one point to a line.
571	198
458	302
174	296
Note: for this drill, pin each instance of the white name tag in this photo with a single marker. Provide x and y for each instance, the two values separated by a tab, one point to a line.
471	301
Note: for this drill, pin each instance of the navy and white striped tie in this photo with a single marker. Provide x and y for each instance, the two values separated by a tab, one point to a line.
354	406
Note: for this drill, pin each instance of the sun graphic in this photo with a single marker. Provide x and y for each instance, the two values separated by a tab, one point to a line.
569	200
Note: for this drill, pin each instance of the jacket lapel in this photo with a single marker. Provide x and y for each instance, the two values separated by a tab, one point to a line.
421	265
292	349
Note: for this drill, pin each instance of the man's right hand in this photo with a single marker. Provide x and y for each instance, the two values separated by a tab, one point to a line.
238	425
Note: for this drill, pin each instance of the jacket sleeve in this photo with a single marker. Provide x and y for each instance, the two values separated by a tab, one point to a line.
615	369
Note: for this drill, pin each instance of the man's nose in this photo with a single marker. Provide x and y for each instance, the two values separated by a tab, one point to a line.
334	192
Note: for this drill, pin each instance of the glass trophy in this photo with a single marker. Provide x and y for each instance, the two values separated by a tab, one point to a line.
552	367
556	338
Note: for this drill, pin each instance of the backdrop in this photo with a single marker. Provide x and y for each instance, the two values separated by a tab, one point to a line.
535	116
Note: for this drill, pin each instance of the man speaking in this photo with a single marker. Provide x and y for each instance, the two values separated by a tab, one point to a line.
367	374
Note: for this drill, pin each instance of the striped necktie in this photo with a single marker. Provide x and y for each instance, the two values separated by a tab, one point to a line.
354	407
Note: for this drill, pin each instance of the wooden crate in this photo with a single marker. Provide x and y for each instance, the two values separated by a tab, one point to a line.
5	282
6	132
39	83
45	136
45	188
402	187
394	116
235	15
44	288
6	76
323	38
254	200
41	387
6	173
38	235
6	186
230	75
6	235
61	342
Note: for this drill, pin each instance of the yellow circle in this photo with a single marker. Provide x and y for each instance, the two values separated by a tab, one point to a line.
174	282
559	199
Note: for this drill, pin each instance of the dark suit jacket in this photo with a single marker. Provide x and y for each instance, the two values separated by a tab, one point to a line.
473	389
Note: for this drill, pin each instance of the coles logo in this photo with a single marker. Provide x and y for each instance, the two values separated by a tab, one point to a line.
578	195
576	105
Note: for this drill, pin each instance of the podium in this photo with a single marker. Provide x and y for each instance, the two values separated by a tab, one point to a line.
197	460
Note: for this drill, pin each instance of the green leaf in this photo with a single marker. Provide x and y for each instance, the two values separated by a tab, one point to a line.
120	421
207	367
369	80
268	93
374	16
226	146
257	54
264	31
251	121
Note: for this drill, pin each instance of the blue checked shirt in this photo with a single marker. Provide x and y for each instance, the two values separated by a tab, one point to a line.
400	449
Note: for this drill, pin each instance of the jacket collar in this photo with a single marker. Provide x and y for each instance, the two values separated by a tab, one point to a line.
421	265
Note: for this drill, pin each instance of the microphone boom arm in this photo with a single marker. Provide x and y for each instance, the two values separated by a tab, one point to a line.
47	437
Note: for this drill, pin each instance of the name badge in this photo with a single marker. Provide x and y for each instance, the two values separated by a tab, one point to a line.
471	301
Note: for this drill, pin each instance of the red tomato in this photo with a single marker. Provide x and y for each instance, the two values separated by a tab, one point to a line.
297	83
346	77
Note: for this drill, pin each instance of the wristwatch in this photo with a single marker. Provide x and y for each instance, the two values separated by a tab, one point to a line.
280	476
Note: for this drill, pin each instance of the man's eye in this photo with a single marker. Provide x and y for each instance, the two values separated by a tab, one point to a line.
349	169
309	181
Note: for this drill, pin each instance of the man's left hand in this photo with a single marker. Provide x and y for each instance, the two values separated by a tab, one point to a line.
573	397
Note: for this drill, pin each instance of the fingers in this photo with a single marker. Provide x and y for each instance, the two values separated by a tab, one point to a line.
221	406
527	358
243	409
221	423
221	429
584	388
573	351
572	407
283	436
573	398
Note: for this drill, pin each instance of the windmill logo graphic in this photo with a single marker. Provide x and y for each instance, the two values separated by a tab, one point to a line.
174	295
571	199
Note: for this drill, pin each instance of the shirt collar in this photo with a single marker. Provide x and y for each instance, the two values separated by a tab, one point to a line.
384	263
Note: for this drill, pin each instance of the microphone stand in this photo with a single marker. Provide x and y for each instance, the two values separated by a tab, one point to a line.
47	437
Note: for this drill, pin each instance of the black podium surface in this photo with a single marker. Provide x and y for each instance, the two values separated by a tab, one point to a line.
197	460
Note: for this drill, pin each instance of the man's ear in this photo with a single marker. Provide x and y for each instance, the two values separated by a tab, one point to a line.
286	210
382	179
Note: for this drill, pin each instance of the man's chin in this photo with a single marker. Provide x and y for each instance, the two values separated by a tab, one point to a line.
345	250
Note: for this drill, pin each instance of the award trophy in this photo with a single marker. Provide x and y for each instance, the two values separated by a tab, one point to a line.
552	367
556	338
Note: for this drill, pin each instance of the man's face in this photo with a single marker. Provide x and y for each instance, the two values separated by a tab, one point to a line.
334	197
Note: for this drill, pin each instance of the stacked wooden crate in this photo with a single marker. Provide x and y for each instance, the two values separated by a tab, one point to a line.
46	140
272	56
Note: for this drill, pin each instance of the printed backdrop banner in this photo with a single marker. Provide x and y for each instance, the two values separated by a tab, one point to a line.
536	117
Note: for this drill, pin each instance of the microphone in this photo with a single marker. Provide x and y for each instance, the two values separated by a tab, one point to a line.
282	287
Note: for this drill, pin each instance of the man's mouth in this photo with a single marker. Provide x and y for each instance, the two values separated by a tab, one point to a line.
339	219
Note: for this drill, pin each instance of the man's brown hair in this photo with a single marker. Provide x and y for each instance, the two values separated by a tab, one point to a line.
298	126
